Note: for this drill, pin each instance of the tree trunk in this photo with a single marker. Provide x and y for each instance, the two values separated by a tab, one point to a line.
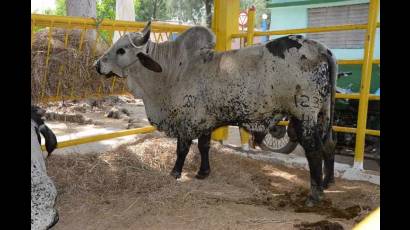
83	8
208	11
124	10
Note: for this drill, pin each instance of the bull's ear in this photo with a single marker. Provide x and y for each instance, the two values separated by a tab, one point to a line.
149	63
146	33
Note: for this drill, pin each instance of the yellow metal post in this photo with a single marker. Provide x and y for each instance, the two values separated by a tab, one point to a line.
225	23
371	222
251	26
249	41
365	84
244	138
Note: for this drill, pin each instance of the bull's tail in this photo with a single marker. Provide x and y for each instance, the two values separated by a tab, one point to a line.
329	107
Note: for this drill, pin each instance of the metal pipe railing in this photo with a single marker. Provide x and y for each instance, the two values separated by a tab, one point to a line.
365	84
305	30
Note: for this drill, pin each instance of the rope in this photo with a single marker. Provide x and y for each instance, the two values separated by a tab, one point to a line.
132	43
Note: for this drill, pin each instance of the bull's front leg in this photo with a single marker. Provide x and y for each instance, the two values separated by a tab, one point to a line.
183	146
203	146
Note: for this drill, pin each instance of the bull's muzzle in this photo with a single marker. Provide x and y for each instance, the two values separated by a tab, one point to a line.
55	220
97	66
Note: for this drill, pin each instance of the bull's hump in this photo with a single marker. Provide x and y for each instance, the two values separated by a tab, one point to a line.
278	46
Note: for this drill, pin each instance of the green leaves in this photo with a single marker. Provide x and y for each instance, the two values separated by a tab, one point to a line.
105	9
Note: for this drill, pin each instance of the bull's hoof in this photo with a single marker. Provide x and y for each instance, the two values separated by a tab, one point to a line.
312	201
328	183
175	174
202	174
314	197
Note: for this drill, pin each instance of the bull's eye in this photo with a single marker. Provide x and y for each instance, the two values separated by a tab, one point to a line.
121	51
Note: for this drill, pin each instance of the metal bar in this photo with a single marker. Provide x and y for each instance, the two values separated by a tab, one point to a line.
245	136
269	4
99	89
226	14
112	85
306	30
372	221
160	38
58	88
342	129
355	62
89	23
80	46
95	43
43	89
372	97
32	31
89	139
365	84
251	26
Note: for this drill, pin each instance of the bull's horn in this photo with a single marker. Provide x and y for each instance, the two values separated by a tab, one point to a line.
147	28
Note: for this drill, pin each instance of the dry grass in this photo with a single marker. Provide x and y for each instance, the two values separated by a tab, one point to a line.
130	188
69	68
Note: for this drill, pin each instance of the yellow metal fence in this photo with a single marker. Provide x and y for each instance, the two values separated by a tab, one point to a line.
225	26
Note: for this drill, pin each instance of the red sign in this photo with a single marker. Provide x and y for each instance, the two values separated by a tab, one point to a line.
243	18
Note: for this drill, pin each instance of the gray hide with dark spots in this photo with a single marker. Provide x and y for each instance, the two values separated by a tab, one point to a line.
199	89
43	191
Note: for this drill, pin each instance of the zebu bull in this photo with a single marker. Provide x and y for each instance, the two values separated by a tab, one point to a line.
43	191
189	89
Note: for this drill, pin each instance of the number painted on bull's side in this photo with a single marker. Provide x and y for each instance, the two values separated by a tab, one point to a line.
316	102
189	101
304	101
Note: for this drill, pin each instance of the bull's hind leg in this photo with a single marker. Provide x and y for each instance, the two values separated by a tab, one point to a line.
329	161
329	145
203	146
183	146
308	136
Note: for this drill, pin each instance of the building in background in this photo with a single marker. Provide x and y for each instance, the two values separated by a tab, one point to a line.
294	14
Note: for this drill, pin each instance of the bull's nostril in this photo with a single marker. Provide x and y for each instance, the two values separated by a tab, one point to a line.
97	66
55	221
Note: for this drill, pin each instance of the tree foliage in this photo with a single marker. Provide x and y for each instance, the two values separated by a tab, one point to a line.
61	8
187	10
193	11
106	9
151	9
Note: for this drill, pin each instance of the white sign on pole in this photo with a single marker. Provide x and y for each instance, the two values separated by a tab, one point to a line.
243	18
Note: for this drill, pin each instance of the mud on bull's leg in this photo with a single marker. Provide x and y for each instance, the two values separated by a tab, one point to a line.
307	134
204	146
183	146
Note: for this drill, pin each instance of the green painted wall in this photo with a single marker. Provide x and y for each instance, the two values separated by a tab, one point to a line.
353	81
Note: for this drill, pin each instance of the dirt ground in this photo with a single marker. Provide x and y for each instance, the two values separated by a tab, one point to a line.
130	188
